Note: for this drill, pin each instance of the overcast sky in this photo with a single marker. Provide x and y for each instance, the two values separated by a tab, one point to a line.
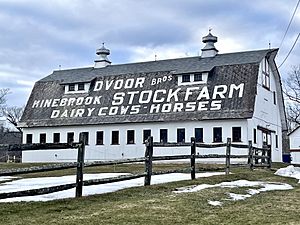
37	36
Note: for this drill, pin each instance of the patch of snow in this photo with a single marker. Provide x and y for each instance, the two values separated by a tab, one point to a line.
34	183
6	178
275	187
253	191
237	197
215	203
209	174
264	186
289	171
42	182
240	183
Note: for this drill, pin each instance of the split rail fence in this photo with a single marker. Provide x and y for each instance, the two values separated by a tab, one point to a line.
257	157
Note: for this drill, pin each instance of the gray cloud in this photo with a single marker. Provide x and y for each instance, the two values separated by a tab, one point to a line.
38	36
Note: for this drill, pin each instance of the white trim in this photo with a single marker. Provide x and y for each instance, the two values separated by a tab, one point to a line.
76	91
192	82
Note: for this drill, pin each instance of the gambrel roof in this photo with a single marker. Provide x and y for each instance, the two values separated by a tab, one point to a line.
179	65
233	74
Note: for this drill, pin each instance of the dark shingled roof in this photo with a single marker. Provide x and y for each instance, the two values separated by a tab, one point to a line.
180	65
224	69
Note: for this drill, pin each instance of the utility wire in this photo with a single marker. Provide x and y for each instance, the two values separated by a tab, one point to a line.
289	51
289	24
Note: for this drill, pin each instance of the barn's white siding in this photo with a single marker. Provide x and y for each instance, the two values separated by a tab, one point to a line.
124	150
267	115
295	146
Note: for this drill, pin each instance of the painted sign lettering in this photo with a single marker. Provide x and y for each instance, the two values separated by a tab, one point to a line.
140	95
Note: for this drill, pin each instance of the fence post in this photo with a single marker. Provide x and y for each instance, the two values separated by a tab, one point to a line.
256	154
250	156
263	153
80	164
193	153
228	146
148	161
269	153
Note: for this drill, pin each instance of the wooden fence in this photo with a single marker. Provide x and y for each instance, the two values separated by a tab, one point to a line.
257	157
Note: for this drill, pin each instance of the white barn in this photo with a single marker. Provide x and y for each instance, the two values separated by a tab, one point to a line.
295	145
210	97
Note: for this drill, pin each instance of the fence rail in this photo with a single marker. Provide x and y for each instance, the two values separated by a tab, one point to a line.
114	162
257	157
45	146
266	148
170	144
63	166
35	169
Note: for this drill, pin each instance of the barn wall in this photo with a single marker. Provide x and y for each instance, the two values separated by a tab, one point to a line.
267	115
295	139
295	157
124	150
295	146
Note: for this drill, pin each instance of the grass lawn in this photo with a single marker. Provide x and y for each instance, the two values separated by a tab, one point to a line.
157	204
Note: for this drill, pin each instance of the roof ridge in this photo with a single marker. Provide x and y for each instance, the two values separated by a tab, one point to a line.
163	60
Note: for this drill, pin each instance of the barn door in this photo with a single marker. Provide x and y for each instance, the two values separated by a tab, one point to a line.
266	138
266	142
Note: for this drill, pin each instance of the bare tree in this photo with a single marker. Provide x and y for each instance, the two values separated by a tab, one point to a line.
293	115
13	115
292	91
3	93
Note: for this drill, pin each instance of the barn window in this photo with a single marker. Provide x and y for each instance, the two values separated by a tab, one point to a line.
192	78
71	87
180	135
70	137
28	138
164	135
217	134
199	134
265	137
254	136
115	137
146	134
274	98
236	134
198	77
186	78
276	141
76	88
86	137
56	137
130	136
81	87
42	138
266	74
99	138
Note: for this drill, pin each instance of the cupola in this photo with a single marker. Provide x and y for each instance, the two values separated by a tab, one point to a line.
209	49
102	61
